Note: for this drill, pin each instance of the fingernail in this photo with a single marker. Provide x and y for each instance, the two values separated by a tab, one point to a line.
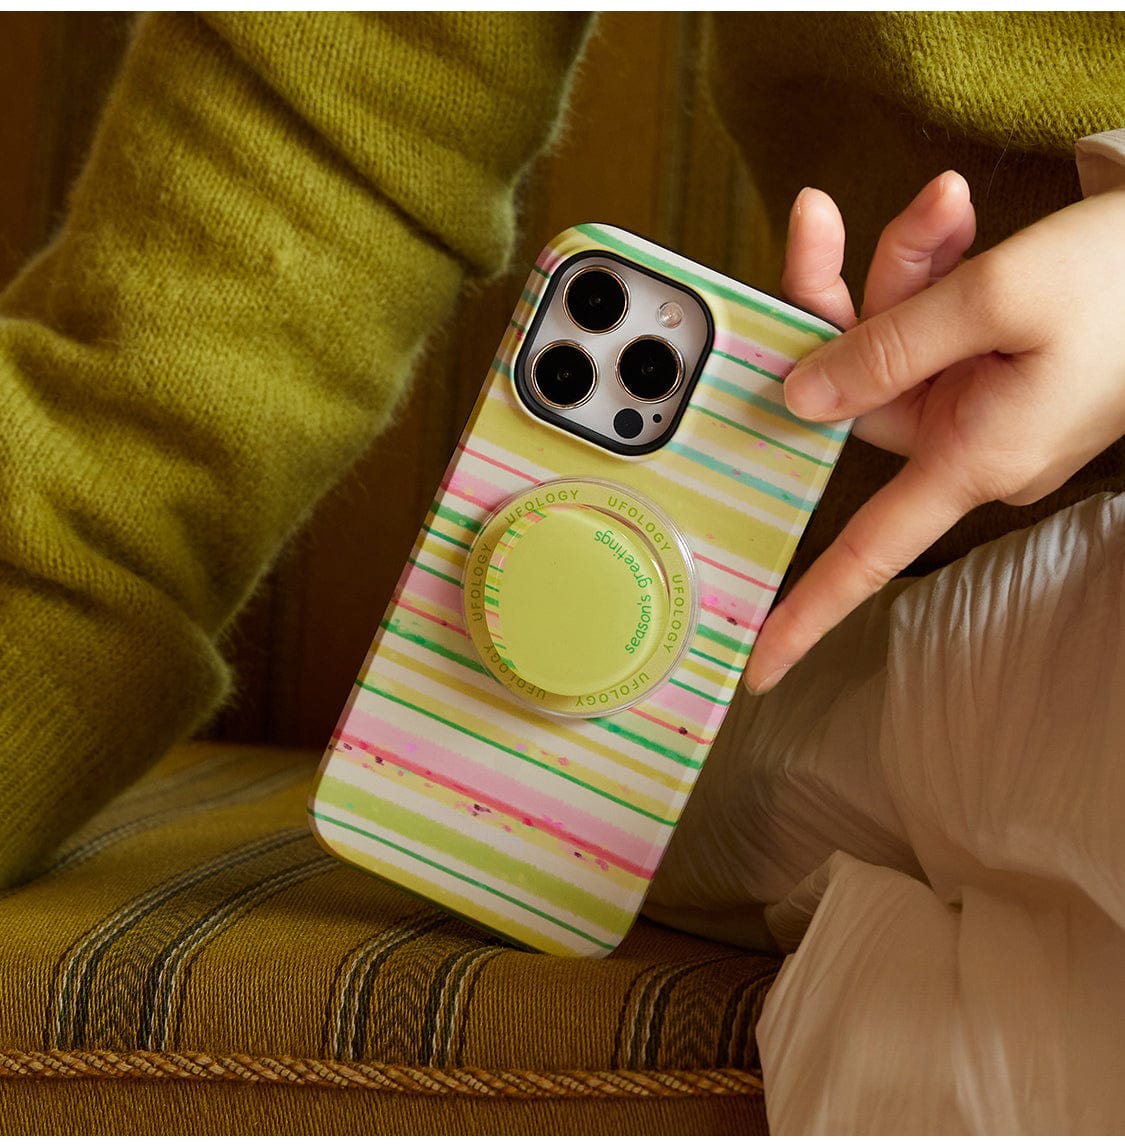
936	189
931	192
771	681
809	393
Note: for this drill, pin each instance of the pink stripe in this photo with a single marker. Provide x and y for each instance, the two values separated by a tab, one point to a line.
760	356
744	613
497	464
467	488
549	258
642	711
735	573
695	708
459	772
546	826
432	589
702	712
436	619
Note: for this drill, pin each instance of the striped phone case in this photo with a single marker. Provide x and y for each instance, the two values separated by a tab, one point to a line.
539	805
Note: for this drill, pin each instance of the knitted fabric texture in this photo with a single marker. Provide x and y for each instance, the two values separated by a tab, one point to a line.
870	106
277	212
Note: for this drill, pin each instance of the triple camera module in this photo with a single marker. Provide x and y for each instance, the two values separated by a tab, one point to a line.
613	353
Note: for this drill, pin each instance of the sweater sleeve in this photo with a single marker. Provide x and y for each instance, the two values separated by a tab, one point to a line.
277	211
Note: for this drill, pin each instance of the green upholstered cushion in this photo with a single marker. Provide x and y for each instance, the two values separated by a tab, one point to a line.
192	962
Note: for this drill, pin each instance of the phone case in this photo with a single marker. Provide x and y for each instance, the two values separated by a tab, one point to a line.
541	813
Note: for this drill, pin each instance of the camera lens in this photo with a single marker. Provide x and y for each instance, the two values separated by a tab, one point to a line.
563	373
650	369
595	300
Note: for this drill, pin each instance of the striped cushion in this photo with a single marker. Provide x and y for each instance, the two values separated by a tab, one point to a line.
192	954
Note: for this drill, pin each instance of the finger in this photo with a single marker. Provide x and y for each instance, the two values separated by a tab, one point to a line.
922	244
952	251
894	427
968	313
892	529
814	257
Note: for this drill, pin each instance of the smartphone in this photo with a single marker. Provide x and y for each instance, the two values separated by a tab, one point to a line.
575	616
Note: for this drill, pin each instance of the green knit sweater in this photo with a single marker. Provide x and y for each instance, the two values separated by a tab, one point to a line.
277	212
871	106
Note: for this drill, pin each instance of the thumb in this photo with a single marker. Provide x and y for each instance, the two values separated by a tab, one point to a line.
886	355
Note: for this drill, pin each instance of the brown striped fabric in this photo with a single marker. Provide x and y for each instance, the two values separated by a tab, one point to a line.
194	934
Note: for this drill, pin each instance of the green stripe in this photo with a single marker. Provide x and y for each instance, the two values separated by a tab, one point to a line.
712	660
434	572
452	540
531	296
396	629
832	432
439	838
741	476
464	878
440	510
749	366
705	282
446	1014
517	754
764	437
704	695
643	741
734	643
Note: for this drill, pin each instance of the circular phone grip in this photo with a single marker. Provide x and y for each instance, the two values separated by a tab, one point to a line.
579	596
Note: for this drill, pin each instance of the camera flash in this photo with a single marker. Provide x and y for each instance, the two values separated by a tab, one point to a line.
670	315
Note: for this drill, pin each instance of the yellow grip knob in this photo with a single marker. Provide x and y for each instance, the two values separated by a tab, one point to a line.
575	601
579	597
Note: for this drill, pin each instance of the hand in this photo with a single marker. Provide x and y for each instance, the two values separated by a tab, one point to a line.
998	378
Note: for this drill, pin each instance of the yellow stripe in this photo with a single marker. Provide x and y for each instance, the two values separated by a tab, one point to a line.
789	471
713	676
471	859
406	656
717	516
768	424
769	332
463	715
451	555
437	634
431	608
428	792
